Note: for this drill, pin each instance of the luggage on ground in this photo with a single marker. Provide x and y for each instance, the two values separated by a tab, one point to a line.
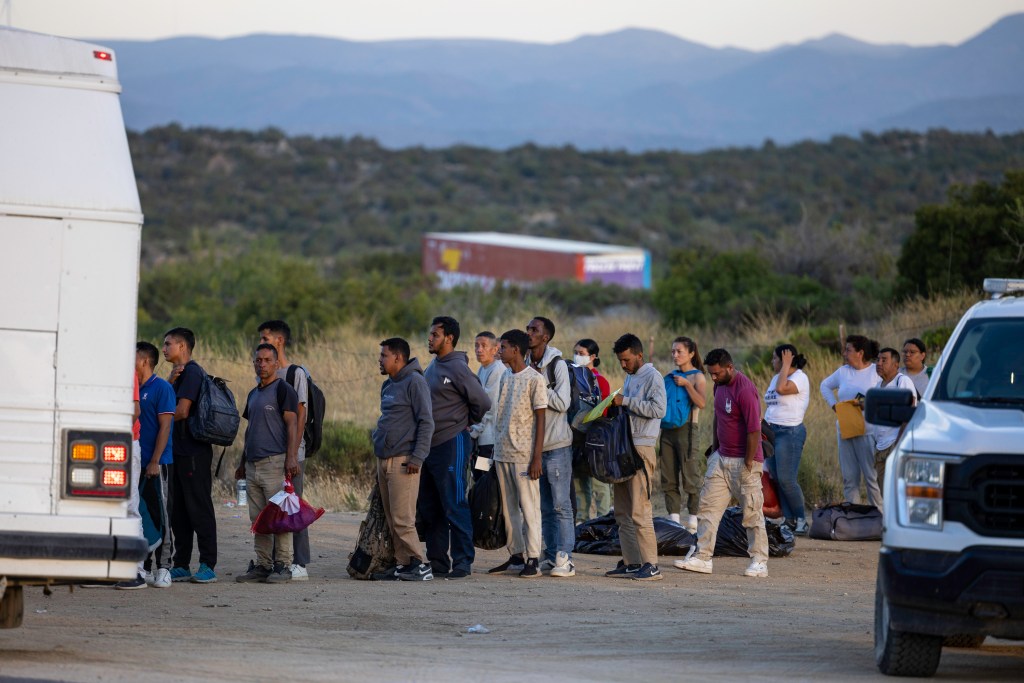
374	551
846	522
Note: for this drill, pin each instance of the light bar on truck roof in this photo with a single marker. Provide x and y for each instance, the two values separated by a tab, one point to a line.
103	54
997	286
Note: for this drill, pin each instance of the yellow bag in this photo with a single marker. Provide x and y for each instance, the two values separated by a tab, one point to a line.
851	419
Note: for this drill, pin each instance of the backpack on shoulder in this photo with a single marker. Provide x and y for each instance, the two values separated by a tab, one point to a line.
584	395
609	450
214	418
316	408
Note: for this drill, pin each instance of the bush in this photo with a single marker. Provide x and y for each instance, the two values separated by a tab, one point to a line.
346	450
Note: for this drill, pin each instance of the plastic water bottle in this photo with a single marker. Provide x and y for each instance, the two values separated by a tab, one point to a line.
242	492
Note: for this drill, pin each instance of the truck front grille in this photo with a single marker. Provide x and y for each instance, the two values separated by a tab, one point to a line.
986	494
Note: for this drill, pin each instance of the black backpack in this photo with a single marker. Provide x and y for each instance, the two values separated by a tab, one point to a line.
583	389
214	417
316	408
609	448
485	508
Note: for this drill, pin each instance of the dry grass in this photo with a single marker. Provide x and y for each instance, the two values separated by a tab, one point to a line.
344	364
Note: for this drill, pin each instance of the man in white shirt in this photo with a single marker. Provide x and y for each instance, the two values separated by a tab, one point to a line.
888	366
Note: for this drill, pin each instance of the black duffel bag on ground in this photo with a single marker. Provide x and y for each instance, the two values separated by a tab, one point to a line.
846	522
485	508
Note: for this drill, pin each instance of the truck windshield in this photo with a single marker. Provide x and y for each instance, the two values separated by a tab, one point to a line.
986	365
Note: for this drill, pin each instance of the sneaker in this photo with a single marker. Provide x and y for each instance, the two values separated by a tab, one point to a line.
134	584
204	574
563	566
691	524
648	572
281	574
389	574
458	574
530	570
623	570
416	571
95	584
674	516
180	574
148	576
693	564
801	527
162	578
512	564
255	574
757	570
546	566
299	573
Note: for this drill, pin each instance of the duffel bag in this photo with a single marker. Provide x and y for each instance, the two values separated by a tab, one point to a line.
846	522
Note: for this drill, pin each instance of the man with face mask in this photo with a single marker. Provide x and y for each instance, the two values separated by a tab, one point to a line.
734	467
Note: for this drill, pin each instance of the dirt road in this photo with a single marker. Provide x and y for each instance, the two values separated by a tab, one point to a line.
811	620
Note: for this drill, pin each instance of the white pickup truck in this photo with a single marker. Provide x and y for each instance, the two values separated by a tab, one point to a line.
70	225
951	569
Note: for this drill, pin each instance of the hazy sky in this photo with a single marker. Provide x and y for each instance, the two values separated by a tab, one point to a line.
754	24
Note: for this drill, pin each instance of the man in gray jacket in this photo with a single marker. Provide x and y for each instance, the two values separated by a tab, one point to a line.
557	523
643	395
457	400
401	442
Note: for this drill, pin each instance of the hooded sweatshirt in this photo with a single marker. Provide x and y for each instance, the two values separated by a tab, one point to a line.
643	394
456	396
406	423
557	433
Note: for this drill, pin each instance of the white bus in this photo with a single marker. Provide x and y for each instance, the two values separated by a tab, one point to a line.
70	229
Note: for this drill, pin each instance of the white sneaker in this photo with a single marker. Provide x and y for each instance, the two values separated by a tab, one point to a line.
674	516
691	524
546	566
563	566
693	564
757	569
299	573
162	578
149	578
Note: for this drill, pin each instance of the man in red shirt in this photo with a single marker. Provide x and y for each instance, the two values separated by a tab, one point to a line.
734	467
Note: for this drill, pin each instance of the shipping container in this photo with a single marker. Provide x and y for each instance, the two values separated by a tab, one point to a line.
490	258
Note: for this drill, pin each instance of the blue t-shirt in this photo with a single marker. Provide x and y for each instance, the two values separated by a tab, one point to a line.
156	397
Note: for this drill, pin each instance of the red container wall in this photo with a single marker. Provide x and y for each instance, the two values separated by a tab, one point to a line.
456	262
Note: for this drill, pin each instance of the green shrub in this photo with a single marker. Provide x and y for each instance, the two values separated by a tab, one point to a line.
346	450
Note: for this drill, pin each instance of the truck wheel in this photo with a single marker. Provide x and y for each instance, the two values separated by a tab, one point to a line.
898	653
963	640
12	607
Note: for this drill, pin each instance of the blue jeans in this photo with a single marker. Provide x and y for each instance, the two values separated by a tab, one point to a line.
556	520
784	467
443	507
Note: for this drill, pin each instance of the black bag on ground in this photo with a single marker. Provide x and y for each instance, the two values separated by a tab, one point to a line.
214	419
374	551
600	536
609	449
846	522
731	540
485	508
316	408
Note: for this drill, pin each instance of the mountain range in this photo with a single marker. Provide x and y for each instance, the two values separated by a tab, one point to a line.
633	89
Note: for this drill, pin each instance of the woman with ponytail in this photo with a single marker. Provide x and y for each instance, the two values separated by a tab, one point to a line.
851	383
786	402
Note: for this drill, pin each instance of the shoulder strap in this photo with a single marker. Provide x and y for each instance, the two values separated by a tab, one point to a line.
280	399
550	368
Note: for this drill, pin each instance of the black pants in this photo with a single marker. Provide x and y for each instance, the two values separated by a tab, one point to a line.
192	512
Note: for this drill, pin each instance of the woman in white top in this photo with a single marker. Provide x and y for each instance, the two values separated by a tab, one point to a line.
850	382
786	402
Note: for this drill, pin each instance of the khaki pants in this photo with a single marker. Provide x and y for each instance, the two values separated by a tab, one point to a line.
880	457
520	503
398	492
634	514
263	479
728	478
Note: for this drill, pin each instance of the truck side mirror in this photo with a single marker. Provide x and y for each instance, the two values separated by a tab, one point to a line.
888	407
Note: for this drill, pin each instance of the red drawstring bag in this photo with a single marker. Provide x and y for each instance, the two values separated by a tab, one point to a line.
285	512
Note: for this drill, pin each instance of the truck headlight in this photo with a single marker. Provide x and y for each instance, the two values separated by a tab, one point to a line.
919	490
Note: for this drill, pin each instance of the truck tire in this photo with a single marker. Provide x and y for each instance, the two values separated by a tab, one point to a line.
963	640
12	607
899	653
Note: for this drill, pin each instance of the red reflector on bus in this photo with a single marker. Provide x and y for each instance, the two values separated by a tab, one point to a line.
115	477
115	452
105	56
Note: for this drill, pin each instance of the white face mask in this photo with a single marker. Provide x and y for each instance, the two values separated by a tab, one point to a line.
581	360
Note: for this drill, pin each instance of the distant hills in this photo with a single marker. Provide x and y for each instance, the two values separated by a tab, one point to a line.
633	89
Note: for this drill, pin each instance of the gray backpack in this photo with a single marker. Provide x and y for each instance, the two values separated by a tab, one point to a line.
846	522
